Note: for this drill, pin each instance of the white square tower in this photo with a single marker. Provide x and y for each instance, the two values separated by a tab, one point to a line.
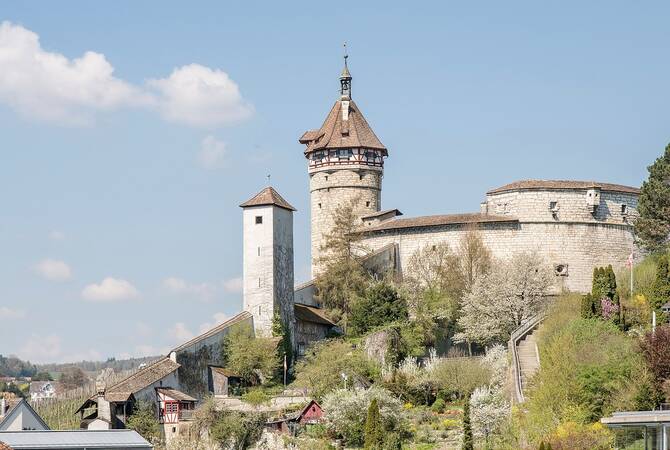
268	261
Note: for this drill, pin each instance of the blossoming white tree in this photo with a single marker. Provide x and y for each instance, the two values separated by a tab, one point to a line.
503	298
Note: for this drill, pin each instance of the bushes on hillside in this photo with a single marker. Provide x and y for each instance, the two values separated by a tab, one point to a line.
255	359
380	305
586	370
347	412
655	348
321	368
660	294
603	301
144	421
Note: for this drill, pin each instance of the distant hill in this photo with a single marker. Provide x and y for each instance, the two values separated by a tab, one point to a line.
11	366
119	365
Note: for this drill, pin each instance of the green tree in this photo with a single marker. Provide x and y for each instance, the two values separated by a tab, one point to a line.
284	347
653	225
374	430
380	304
252	358
468	443
342	278
237	430
660	293
144	421
321	369
42	376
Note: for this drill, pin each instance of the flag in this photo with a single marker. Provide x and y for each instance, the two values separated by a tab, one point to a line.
629	261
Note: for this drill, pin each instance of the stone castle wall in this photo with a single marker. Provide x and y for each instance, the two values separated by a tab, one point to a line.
576	239
332	188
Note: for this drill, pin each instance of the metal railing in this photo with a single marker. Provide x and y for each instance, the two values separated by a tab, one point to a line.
518	335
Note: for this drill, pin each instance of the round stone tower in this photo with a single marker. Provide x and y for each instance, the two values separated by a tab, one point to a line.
346	163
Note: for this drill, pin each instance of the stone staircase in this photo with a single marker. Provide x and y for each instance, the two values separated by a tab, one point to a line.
525	357
529	361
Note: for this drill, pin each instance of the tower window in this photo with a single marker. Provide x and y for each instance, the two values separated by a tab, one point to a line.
367	203
624	209
259	251
319	205
326	177
259	285
259	219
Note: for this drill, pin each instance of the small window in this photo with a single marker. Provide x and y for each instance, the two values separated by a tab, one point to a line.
624	209
367	203
326	177
319	205
259	251
259	285
259	219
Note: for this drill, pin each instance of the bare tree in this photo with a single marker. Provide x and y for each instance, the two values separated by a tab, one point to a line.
474	257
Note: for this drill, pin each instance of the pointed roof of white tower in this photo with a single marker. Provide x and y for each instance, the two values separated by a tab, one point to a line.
268	196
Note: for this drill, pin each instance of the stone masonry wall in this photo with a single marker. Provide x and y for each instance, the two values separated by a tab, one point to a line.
576	239
331	188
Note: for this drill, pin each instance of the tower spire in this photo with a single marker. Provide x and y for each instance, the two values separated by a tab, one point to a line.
345	78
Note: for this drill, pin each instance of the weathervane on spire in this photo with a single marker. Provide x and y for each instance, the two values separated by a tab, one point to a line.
345	78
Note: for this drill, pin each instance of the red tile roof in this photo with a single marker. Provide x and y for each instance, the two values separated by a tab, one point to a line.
563	184
339	133
431	221
4	446
268	196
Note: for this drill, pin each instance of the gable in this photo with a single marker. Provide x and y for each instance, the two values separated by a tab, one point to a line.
22	417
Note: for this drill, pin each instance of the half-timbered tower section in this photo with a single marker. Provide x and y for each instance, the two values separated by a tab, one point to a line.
345	164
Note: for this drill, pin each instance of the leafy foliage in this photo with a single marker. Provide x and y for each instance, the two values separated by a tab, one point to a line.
346	413
144	420
374	431
585	373
655	348
342	278
237	430
661	287
380	304
254	359
11	366
653	225
321	368
502	299
42	376
468	442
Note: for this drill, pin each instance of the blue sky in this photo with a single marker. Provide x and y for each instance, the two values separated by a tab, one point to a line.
120	232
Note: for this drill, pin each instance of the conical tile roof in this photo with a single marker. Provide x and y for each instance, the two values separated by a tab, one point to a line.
268	196
344	127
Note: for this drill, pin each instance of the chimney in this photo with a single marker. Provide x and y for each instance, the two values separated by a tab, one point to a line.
104	408
484	208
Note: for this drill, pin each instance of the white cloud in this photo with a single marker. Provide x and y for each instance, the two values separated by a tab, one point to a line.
53	270
218	319
180	332
179	286
110	290
41	348
197	95
233	285
56	235
9	313
212	154
46	85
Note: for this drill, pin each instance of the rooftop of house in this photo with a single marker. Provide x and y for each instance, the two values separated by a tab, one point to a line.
20	406
562	185
438	220
311	314
268	196
175	394
76	439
